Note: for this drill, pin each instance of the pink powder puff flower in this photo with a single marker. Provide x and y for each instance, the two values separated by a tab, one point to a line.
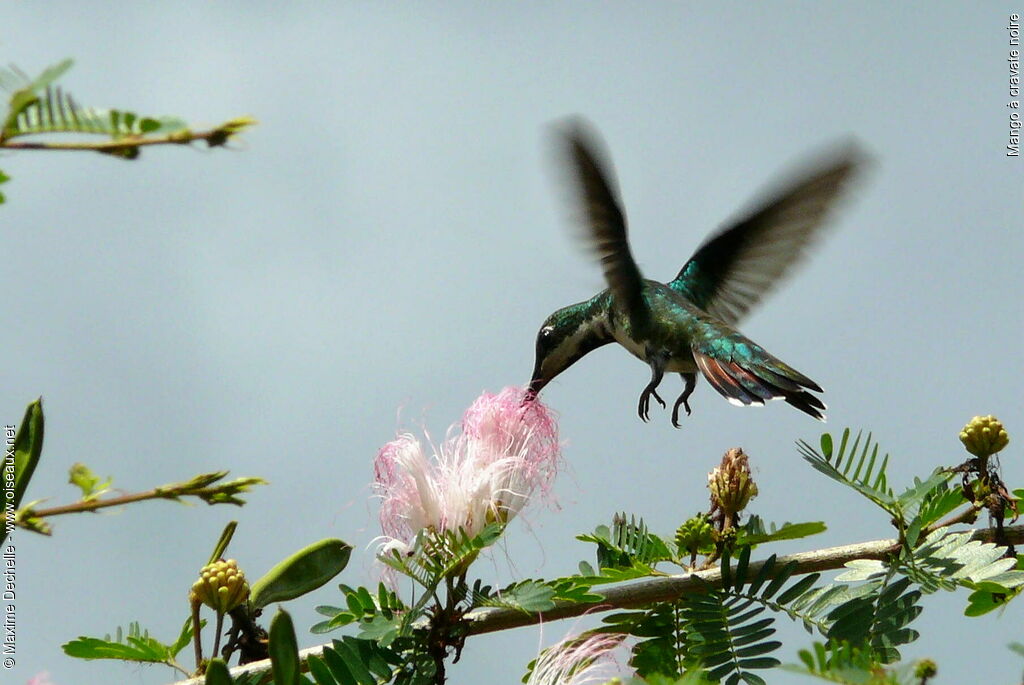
40	679
576	660
506	452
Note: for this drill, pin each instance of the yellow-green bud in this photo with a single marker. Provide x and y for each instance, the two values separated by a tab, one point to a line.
983	436
221	586
695	535
731	483
925	668
979	489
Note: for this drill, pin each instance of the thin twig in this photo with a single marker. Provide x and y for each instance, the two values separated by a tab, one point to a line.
661	589
197	626
203	486
216	634
214	137
93	504
968	515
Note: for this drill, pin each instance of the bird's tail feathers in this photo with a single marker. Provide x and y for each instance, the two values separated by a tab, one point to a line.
751	382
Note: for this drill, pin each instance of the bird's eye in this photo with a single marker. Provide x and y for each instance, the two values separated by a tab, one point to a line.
546	332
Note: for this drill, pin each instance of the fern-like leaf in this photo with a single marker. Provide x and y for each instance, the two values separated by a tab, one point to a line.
938	502
24	91
948	560
627	544
55	111
355	660
850	665
755	532
855	466
361	606
878	620
135	644
531	596
37	107
660	648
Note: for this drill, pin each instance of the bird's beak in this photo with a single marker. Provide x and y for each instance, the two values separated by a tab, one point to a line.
536	383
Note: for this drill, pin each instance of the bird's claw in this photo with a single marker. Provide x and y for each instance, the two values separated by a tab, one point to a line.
675	411
643	409
691	383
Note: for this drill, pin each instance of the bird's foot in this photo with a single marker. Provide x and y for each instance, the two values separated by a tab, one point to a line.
643	408
675	410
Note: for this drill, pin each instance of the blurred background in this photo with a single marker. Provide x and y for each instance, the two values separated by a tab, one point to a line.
385	244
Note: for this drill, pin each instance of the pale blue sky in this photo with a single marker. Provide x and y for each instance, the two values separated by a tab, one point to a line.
389	239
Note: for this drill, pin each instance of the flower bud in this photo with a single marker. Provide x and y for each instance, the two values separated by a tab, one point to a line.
695	536
925	668
983	436
731	483
221	586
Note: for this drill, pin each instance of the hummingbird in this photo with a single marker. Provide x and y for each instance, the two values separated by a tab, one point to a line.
689	324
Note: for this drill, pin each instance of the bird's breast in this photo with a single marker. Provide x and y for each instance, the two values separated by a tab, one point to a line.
679	360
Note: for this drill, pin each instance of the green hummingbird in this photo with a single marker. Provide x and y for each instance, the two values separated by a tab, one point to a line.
688	324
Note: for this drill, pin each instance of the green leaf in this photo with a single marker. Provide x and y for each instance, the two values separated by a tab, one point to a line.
530	596
223	542
878	620
621	574
137	645
722	634
25	96
303	572
284	650
28	448
4	178
347	651
859	570
436	556
988	597
754	532
853	470
947	560
381	630
845	663
361	606
574	589
319	670
661	634
626	543
913	496
91	485
935	505
140	649
184	637
217	673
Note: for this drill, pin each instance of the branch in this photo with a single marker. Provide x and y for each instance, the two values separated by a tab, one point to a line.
128	144
204	486
661	589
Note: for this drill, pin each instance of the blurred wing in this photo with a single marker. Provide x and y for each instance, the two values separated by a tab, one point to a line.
742	263
602	218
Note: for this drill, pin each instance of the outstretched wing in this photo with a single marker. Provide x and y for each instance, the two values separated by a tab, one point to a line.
600	214
743	262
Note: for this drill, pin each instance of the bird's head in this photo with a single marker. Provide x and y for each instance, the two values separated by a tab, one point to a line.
564	338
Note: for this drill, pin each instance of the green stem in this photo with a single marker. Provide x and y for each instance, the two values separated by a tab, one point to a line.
213	137
216	634
969	515
196	640
167	492
178	667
